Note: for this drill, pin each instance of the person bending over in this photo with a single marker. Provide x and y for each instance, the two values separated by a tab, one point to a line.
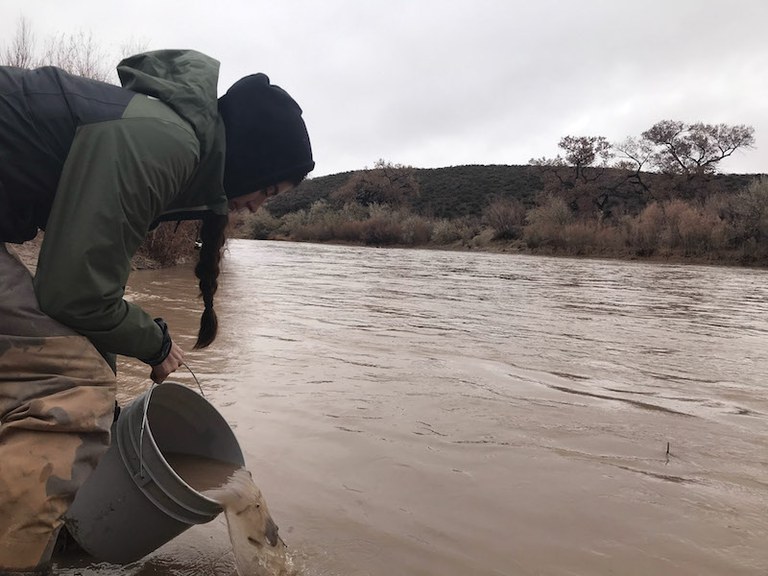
96	166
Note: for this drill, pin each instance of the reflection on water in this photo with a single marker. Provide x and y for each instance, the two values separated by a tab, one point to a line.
421	412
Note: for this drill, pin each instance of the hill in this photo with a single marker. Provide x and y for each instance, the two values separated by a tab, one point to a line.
444	192
457	191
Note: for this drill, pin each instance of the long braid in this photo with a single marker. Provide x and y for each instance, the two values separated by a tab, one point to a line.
213	236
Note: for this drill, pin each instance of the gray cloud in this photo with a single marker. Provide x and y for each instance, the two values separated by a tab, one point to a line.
436	83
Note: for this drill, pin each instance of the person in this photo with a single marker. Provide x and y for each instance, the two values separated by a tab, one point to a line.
96	166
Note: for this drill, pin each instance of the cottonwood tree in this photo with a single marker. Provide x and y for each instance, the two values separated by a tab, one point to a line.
686	156
633	157
580	173
695	149
670	159
580	152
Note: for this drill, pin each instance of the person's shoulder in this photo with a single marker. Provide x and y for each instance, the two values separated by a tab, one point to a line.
155	120
147	107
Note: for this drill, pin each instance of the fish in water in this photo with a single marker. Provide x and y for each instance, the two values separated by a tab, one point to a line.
258	548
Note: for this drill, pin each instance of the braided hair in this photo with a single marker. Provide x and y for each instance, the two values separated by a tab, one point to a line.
213	237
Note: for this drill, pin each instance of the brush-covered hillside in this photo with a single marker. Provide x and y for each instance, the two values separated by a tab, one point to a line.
459	191
449	192
544	209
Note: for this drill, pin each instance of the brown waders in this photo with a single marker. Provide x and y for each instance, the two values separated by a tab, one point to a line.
57	398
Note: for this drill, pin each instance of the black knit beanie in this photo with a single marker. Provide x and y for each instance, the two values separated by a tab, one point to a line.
267	140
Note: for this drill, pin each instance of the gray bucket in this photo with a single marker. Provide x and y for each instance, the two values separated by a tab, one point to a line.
129	506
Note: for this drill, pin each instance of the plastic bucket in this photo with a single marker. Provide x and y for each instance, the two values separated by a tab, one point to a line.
130	506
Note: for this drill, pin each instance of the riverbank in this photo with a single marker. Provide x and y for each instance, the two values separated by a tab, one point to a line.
28	252
718	230
517	247
730	260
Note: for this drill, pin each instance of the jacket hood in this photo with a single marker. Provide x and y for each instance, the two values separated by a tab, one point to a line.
186	81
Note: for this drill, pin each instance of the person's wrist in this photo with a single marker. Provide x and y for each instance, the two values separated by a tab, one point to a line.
165	348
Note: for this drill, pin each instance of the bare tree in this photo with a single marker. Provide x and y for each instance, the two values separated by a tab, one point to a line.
634	156
133	46
695	149
584	151
75	52
78	54
20	52
684	157
544	162
582	175
581	152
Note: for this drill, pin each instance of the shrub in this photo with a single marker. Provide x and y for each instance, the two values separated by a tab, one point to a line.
484	238
293	221
579	237
447	231
352	211
697	231
415	230
612	239
381	230
261	225
350	231
506	217
552	211
546	223
749	212
170	243
646	230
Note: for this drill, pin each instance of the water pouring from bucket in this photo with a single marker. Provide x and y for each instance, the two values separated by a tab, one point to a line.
169	447
258	548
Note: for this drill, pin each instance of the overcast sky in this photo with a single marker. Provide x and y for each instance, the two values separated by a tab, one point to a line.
435	83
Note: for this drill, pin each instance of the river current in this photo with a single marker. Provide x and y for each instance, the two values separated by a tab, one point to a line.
414	412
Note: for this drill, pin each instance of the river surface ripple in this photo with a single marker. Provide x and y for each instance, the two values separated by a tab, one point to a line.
452	413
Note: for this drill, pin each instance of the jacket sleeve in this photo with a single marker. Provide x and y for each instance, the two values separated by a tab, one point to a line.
118	177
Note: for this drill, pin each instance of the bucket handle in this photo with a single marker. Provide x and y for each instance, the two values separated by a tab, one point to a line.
195	377
144	417
143	426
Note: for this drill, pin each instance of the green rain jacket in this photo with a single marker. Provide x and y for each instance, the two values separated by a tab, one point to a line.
95	166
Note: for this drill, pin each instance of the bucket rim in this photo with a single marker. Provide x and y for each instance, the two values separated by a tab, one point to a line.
132	433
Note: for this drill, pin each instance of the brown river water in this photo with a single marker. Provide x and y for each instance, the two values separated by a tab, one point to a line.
411	412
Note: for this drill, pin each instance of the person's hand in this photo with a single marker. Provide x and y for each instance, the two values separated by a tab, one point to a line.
171	363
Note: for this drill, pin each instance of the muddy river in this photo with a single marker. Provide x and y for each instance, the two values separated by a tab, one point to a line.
410	412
